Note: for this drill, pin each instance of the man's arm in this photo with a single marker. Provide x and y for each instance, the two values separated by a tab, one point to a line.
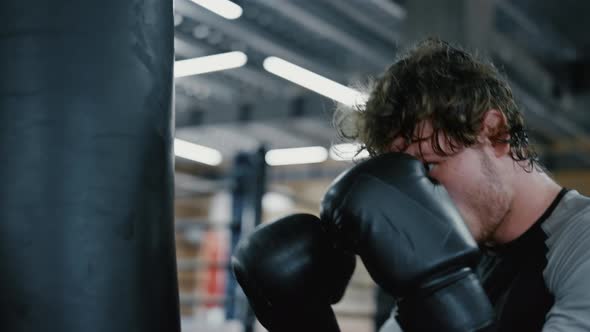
568	275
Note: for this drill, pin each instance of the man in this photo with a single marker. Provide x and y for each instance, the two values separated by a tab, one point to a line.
457	115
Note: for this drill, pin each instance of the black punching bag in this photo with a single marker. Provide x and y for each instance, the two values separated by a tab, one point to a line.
86	166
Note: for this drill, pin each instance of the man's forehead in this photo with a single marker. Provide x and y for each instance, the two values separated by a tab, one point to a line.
422	131
421	145
418	148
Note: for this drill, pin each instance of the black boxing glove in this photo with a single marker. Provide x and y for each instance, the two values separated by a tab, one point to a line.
291	274
412	241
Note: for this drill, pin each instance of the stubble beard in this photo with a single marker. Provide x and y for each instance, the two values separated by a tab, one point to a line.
491	202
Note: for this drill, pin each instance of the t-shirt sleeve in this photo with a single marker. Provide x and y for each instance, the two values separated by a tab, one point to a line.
567	277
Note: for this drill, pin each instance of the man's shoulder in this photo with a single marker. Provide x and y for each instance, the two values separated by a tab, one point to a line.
571	215
568	240
568	264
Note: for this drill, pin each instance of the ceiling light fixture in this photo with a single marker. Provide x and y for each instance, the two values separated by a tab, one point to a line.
314	82
198	153
224	8
209	63
293	156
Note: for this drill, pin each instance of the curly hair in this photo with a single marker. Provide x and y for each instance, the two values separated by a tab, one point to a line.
441	83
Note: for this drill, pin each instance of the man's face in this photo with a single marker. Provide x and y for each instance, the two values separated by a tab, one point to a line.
471	176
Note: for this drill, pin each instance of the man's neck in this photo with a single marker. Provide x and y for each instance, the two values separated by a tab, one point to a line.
533	194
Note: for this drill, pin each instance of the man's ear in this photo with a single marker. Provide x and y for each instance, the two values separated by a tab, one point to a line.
493	130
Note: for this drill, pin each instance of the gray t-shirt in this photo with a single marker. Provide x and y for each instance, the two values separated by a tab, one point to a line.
567	274
541	280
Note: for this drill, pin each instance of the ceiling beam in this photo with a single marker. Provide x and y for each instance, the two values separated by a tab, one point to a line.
258	39
352	12
321	27
189	48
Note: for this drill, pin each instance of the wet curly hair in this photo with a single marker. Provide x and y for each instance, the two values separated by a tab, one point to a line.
444	84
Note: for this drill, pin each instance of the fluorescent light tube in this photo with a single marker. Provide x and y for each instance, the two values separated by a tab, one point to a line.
277	202
209	63
293	156
224	8
314	82
198	153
